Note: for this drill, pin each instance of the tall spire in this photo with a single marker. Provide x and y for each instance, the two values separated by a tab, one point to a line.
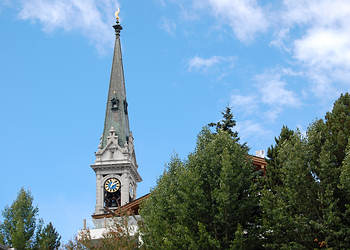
117	106
115	164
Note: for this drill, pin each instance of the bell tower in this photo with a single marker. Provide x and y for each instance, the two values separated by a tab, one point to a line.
115	165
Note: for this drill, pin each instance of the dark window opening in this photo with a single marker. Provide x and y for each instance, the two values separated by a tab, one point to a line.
112	199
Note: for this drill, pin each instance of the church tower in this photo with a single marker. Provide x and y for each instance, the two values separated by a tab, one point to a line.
115	165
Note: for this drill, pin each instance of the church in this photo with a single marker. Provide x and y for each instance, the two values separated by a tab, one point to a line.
115	164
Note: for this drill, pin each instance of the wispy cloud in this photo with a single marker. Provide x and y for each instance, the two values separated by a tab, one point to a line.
274	92
168	25
245	17
250	128
270	95
200	63
248	103
90	17
161	2
6	2
314	33
272	113
203	63
322	45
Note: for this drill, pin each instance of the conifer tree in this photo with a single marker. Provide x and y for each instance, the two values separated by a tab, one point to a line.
226	124
20	228
2	240
47	238
19	222
273	175
338	126
345	174
309	208
207	201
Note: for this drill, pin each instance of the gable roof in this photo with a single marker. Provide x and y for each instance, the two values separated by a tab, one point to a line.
131	208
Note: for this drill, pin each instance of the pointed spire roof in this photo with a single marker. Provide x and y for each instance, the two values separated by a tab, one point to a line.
117	106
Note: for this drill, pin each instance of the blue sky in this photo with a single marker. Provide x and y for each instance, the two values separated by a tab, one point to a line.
274	62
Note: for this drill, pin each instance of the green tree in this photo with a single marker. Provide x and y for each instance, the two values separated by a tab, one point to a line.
19	222
20	228
120	235
206	201
273	175
226	124
47	238
309	207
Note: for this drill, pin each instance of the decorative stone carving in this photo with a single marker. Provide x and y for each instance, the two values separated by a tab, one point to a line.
100	144
112	136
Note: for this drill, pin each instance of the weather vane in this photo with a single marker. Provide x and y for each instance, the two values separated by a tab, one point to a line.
117	14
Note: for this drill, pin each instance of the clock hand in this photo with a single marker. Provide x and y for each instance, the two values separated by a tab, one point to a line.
113	185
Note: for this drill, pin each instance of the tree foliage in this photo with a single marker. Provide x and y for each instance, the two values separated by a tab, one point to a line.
19	222
308	207
273	175
120	234
227	123
47	238
207	201
20	228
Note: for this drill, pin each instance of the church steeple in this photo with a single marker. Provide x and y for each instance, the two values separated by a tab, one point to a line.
115	165
117	106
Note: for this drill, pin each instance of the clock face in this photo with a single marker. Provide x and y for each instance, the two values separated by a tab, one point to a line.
131	191
112	185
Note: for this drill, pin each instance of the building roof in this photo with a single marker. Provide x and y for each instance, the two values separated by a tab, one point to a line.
259	163
131	208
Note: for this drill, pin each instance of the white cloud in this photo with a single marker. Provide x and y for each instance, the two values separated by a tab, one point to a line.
273	113
270	95
250	128
161	2
279	40
313	32
91	17
200	63
322	43
322	85
316	12
324	48
273	91
168	25
248	104
245	17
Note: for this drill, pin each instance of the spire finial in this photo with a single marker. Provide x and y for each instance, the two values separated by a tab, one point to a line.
117	27
117	14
